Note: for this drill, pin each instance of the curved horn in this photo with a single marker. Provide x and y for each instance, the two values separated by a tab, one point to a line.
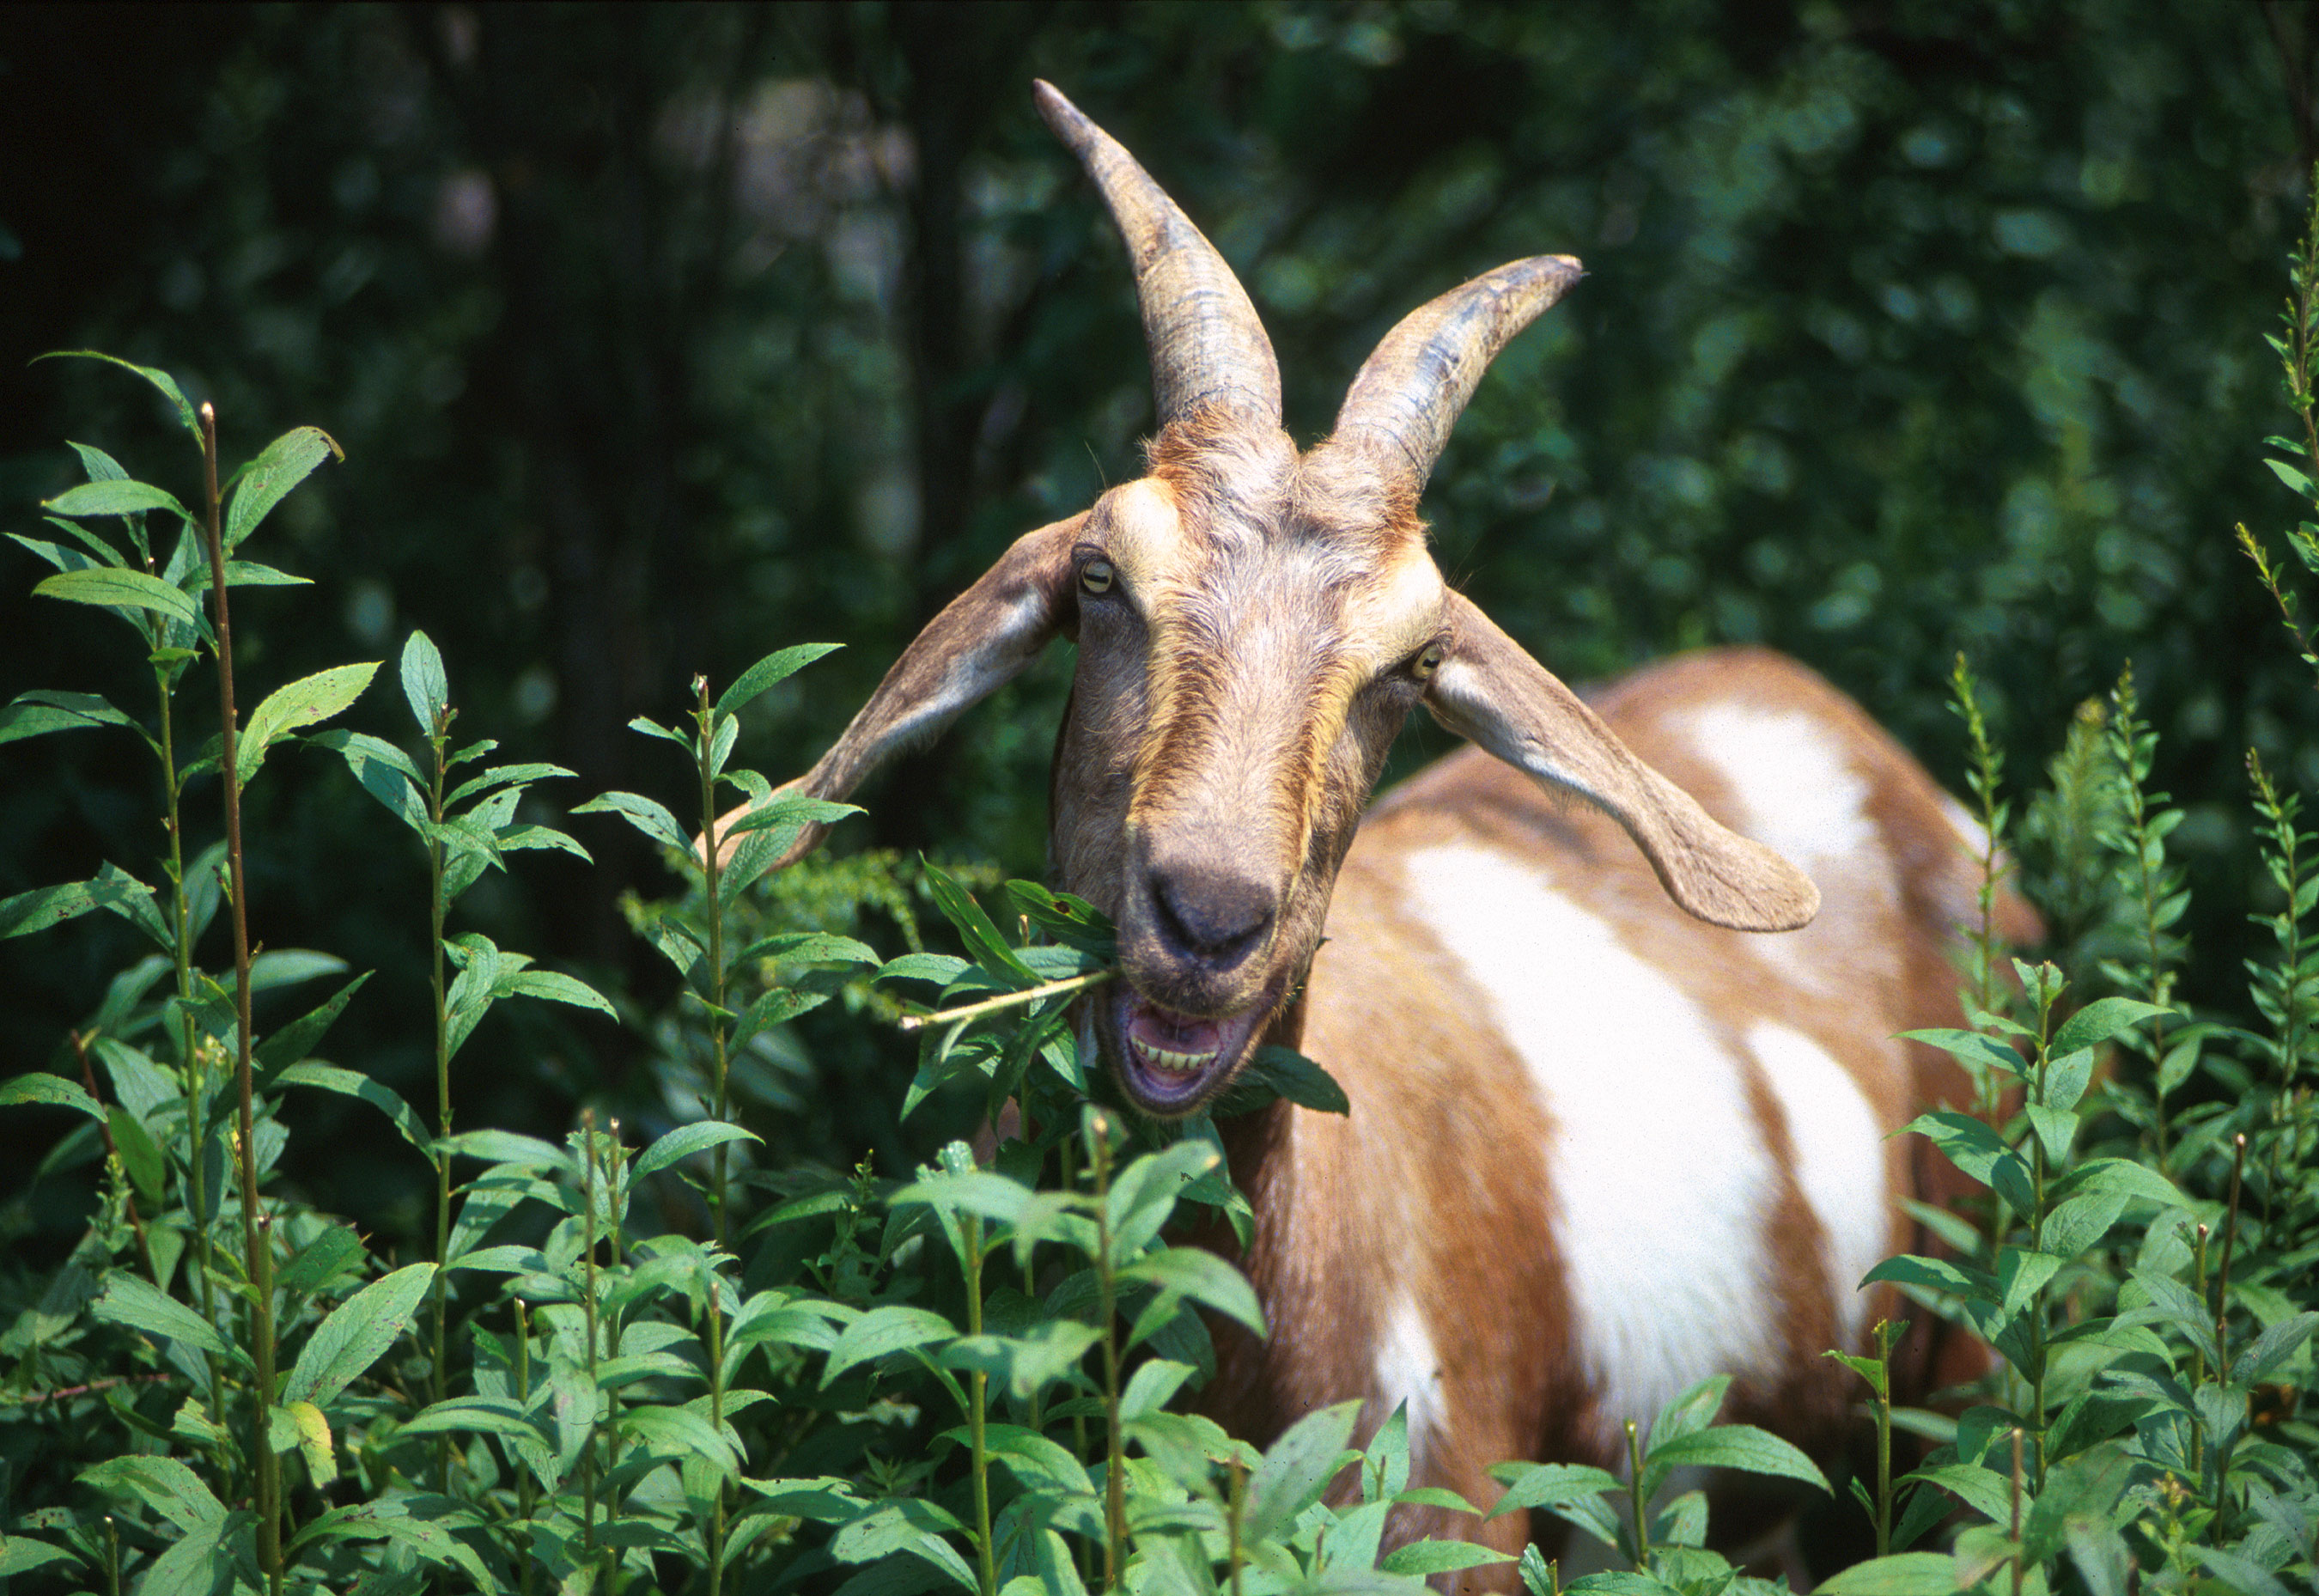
1207	345
1411	390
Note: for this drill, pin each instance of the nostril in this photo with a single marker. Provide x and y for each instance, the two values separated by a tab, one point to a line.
1215	915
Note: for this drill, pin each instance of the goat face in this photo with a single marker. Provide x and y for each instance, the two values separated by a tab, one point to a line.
1254	625
1252	632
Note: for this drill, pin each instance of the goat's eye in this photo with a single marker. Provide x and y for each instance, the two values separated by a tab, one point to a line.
1427	661
1097	576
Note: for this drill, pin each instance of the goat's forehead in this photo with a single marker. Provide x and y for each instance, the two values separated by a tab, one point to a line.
1228	564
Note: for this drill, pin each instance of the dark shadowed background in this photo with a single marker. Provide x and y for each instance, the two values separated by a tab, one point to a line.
658	337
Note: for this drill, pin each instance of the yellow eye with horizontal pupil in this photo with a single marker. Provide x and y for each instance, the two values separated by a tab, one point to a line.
1427	661
1097	576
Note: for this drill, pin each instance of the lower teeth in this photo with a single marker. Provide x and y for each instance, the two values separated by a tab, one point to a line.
1173	1063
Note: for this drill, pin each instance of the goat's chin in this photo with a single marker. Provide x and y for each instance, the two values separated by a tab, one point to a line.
1171	1064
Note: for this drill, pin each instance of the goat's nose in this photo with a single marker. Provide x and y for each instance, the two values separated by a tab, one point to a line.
1213	914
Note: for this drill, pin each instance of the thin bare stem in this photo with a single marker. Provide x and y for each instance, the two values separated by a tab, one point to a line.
254	1244
1078	983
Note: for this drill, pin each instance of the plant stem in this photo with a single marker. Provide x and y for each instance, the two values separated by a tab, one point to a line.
438	736
588	1302
1233	1510
705	749
523	1490
1884	1334
2017	1510
1078	983
2223	1279
1635	1494
977	1409
188	1044
717	1420
1115	1493
254	1244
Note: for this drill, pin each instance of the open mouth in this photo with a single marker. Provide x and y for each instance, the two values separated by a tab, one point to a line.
1170	1063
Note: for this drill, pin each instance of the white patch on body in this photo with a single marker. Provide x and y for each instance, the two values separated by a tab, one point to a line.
1801	795
1660	1178
1408	1370
1839	1162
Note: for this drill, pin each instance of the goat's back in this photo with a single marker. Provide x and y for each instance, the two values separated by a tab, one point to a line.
1598	1149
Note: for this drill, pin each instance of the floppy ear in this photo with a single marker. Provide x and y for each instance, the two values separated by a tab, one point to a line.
979	642
1489	690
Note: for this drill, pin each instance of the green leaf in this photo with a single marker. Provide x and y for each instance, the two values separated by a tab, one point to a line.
265	481
136	1301
139	1156
1909	1574
552	985
501	776
33	714
974	928
2021	1275
383	771
160	379
302	703
2273	1347
169	1487
1549	1485
2296	479
1984	1490
774	667
21	1554
299	1037
791	808
357	1334
1284	1072
647	817
1425	1558
686	1140
1025	1364
53	1090
248	573
117	497
2099	1021
1297	1470
1740	1446
1196	1273
1144	1194
424	685
1153	1386
678	1432
882	1332
335	1252
313	1441
121	589
484	1415
349	1083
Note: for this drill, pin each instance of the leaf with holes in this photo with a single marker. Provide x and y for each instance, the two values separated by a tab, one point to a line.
774	667
305	702
268	480
355	1335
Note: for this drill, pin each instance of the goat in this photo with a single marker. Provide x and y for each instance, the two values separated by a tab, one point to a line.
1598	1149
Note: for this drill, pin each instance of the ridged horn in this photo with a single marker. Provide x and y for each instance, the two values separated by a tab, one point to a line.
1207	345
1411	390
